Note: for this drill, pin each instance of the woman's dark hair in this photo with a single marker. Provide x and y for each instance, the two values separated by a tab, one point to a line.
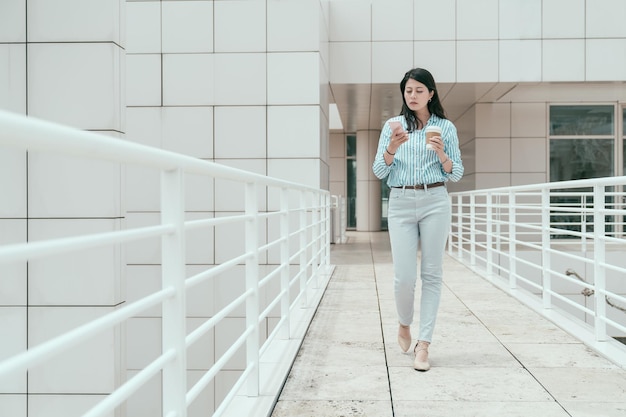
434	105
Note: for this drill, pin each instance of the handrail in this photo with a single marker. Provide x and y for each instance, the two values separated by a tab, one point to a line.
300	274
526	238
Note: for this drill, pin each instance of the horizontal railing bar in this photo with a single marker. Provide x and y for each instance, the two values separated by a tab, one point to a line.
202	383
131	386
32	250
32	134
53	347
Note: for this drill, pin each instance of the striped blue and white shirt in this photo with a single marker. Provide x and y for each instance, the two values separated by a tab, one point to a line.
413	163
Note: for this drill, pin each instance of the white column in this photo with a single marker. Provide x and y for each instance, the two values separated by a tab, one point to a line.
368	204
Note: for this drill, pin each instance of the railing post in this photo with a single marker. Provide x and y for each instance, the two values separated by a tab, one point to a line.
316	236
599	271
489	235
252	283
173	275
546	263
329	203
512	241
284	261
472	230
459	220
303	245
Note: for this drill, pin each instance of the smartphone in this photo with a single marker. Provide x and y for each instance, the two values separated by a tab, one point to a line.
394	125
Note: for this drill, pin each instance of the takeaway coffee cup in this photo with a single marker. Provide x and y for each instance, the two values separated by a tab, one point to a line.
430	132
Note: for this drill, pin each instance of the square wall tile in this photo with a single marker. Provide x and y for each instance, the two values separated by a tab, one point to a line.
65	186
142	189
293	26
428	21
205	399
493	155
200	298
143	126
242	79
69	405
143	27
143	341
477	61
231	17
520	19
493	120
230	240
233	141
529	155
13	77
188	130
14	405
14	282
188	26
603	66
350	62
13	322
524	178
350	21
141	281
392	21
285	71
86	368
188	79
143	79
230	195
529	120
13	183
563	60
144	251
226	332
563	19
199	243
199	192
302	171
477	19
228	286
201	354
390	60
520	60
74	20
439	57
87	277
492	180
146	401
76	84
13	21
605	19
283	121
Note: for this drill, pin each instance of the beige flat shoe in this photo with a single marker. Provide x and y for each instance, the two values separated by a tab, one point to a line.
405	343
421	359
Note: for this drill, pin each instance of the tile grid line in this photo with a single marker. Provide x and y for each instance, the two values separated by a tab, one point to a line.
382	330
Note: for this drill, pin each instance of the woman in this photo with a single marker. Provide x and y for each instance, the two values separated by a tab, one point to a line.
419	207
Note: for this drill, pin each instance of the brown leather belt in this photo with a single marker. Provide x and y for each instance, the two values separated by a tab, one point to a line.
420	186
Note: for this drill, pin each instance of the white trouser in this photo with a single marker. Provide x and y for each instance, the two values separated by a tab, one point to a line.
418	216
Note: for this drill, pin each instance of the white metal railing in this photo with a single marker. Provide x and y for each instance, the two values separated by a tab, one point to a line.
559	247
303	244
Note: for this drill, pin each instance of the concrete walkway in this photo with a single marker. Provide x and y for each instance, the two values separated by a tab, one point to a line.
490	356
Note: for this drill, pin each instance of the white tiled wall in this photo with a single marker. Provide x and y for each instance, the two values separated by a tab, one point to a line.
487	40
62	61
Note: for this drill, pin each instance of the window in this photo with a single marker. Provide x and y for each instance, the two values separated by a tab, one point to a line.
582	145
351	181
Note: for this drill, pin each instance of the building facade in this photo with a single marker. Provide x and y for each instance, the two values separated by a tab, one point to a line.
294	89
